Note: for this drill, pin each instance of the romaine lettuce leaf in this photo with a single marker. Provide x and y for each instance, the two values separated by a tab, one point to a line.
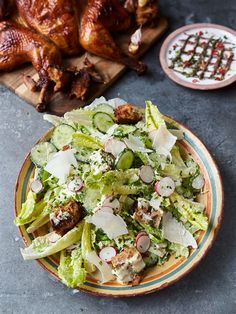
30	209
153	117
86	247
41	220
85	140
42	247
80	116
71	270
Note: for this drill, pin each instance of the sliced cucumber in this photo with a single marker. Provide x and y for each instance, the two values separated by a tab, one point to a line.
84	154
122	130
62	135
125	160
102	121
41	153
105	108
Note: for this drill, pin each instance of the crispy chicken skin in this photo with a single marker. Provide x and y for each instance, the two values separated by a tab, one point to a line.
56	19
100	18
38	32
65	217
19	45
127	114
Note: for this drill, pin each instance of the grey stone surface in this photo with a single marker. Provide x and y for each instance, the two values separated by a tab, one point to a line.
211	287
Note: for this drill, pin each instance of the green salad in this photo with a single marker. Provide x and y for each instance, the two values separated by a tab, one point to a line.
116	191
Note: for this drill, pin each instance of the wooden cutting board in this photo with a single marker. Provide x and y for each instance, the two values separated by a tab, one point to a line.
60	103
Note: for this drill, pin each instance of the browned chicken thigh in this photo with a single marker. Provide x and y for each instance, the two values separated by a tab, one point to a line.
100	18
43	29
56	19
19	45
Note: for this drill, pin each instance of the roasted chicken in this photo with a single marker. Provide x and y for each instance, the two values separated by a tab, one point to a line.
56	19
145	11
19	45
40	31
99	19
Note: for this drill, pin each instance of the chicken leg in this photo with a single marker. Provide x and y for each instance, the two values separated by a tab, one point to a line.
20	45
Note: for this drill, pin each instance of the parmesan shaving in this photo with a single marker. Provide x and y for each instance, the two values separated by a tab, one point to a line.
135	144
113	225
162	140
174	231
60	164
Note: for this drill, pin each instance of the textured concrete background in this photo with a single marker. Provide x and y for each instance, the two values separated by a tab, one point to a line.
211	287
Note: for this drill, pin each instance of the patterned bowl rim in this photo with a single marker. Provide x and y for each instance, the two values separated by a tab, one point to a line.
165	284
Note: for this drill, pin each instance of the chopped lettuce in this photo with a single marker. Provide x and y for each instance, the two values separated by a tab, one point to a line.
71	270
156	234
192	212
179	250
116	181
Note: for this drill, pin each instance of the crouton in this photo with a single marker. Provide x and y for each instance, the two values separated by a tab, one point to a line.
127	114
65	217
127	265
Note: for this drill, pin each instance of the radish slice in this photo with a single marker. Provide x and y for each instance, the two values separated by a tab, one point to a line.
165	187
111	202
36	186
143	243
53	237
107	253
75	185
198	182
146	174
106	209
141	233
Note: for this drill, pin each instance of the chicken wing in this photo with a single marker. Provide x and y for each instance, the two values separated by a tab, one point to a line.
100	18
56	19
